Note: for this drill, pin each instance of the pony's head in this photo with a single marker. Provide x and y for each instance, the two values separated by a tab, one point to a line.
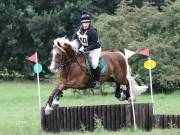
62	51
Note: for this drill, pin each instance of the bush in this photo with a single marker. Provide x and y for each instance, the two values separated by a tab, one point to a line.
29	26
137	28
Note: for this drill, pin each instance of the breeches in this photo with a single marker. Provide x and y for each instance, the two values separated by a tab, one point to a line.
95	55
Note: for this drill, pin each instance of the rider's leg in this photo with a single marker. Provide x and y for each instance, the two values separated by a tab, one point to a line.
96	73
95	55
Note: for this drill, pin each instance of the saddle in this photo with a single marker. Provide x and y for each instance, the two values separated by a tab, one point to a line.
102	65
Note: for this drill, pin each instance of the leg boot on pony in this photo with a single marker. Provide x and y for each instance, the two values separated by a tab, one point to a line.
96	82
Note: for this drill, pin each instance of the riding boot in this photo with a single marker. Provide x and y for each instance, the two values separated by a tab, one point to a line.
96	82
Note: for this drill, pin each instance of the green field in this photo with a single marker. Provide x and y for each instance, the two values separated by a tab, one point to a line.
19	112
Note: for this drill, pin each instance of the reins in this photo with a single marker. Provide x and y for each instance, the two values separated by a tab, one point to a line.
64	62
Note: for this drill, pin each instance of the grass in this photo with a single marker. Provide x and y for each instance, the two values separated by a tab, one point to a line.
19	112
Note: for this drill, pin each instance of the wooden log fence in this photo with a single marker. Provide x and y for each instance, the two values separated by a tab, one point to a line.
166	121
112	117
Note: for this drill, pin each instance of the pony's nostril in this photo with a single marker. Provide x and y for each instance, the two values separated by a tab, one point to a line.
52	70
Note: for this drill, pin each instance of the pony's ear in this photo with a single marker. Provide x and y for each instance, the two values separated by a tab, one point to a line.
68	50
59	44
66	46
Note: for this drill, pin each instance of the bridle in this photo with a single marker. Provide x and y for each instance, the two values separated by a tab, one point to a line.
65	61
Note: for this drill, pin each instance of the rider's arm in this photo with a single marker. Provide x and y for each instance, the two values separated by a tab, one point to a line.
75	37
94	42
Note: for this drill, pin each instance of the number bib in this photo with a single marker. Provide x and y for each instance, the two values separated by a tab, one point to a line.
83	38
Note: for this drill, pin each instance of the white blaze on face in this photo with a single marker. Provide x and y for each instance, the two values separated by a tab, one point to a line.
52	66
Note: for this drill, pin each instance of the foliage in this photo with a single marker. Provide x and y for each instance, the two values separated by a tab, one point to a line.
98	124
137	28
29	26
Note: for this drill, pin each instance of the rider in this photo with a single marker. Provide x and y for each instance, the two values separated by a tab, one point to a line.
87	36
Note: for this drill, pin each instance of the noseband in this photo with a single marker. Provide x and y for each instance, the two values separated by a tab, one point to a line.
64	62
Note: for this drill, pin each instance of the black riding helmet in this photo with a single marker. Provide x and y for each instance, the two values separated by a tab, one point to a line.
85	17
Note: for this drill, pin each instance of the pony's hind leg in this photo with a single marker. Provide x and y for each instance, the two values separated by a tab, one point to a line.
127	90
128	95
118	93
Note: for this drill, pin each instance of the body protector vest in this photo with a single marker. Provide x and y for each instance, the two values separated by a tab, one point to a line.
83	38
88	38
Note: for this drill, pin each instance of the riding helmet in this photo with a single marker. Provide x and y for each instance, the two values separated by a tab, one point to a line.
85	17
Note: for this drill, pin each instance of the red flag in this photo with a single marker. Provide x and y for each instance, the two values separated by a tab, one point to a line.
144	52
32	58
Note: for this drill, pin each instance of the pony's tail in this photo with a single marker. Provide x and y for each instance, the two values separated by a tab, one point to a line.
136	89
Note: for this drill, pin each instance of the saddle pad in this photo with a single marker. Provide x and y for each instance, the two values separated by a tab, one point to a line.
102	66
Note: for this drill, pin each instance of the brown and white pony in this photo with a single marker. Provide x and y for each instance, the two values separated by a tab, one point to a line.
74	74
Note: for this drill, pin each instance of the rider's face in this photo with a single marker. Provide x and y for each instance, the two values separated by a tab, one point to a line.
85	25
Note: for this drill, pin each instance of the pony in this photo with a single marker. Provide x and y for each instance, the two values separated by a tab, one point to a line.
73	74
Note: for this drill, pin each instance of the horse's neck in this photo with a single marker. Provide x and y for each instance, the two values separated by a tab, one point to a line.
70	52
76	63
78	59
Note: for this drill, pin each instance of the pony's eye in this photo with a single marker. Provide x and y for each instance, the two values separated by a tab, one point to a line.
58	55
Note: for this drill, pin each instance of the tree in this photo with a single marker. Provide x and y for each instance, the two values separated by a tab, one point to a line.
138	28
29	26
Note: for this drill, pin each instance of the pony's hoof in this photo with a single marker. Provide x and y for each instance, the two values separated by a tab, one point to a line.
54	106
48	110
130	99
121	97
55	103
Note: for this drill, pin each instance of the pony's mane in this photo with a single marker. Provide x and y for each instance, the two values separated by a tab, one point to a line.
62	41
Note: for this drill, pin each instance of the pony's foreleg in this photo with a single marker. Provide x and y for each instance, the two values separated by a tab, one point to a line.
56	97
52	96
53	99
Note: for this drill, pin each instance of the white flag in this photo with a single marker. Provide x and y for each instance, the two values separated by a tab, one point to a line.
128	53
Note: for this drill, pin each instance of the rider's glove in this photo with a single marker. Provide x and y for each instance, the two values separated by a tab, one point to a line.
82	49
